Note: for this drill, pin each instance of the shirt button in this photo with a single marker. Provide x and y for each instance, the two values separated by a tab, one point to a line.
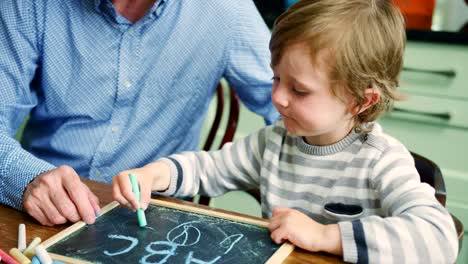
114	129
127	84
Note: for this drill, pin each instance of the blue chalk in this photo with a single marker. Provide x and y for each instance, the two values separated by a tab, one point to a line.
35	260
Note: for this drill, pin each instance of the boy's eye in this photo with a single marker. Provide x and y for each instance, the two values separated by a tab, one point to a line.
275	79
299	93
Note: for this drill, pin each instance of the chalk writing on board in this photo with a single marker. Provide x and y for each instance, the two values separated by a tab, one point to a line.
183	238
228	243
172	236
184	235
131	239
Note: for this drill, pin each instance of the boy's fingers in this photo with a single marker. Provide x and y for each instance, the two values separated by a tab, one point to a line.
279	236
279	210
145	190
116	193
127	192
274	224
124	202
131	198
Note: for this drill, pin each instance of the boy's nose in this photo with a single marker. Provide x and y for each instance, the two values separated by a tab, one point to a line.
279	97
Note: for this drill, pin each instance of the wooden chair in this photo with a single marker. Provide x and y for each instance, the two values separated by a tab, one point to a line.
430	173
233	117
231	124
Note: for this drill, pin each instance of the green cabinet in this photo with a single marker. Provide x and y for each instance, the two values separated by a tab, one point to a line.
433	120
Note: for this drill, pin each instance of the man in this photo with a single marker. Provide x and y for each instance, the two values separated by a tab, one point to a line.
111	85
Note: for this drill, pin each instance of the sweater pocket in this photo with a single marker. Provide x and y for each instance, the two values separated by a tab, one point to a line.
341	211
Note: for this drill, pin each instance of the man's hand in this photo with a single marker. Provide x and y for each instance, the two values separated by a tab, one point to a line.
304	232
57	196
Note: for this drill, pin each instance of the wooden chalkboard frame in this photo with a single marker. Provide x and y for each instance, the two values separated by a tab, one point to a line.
278	257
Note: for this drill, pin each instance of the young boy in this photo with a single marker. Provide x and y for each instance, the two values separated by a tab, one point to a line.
330	179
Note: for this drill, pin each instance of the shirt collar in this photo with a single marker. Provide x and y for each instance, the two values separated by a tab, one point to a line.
106	5
329	149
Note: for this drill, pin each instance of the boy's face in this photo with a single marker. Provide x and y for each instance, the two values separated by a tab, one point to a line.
303	96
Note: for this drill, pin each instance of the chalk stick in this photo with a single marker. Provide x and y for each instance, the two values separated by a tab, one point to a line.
7	258
22	259
136	190
42	254
141	217
30	250
21	237
35	260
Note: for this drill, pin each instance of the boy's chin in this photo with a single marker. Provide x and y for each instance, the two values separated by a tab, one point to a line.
301	133
294	131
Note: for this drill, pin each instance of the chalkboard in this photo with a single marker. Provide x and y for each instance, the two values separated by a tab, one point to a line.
175	234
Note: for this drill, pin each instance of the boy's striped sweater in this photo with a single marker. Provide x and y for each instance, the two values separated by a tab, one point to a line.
367	183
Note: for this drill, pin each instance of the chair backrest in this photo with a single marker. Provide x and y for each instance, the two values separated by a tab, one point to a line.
232	121
430	173
231	124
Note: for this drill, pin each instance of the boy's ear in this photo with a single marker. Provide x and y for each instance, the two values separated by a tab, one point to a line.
372	97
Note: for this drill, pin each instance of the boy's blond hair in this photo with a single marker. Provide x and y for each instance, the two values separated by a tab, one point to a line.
364	40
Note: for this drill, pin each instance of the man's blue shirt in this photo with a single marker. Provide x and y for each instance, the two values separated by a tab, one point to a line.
105	95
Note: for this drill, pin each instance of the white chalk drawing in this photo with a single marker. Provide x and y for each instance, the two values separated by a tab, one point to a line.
182	238
230	241
133	241
191	259
166	253
183	235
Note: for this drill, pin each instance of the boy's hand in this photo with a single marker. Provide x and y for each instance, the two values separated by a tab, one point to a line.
152	177
304	232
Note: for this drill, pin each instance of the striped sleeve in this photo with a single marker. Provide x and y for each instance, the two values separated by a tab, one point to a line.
415	228
234	167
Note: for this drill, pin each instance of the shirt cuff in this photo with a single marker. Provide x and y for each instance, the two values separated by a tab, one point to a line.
348	242
19	172
174	176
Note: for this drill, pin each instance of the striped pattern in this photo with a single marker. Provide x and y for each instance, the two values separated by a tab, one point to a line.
106	95
400	222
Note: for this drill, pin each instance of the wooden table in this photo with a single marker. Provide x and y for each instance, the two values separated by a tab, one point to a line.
10	219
